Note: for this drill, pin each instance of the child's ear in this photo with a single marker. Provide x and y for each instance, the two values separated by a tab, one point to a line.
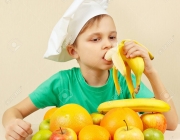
72	51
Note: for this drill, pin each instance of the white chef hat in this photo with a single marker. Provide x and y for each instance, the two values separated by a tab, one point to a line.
68	27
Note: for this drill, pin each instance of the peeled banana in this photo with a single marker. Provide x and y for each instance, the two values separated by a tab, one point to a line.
119	65
138	105
136	64
129	81
115	78
125	65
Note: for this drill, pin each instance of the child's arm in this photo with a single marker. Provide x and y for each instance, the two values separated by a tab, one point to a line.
15	126
132	50
161	93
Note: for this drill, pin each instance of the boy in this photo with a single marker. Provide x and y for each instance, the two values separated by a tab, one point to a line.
88	39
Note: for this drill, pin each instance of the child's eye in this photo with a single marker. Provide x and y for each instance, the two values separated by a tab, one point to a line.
112	37
95	39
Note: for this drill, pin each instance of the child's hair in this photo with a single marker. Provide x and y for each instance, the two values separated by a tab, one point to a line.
89	23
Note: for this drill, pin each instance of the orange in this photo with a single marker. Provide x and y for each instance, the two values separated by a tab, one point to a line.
72	116
49	113
94	132
113	119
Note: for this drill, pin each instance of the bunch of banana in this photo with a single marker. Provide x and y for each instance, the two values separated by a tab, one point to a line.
138	105
125	65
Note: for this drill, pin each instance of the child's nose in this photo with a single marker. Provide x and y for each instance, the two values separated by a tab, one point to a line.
107	44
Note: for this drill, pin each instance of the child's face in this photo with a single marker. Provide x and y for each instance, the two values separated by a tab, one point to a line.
94	42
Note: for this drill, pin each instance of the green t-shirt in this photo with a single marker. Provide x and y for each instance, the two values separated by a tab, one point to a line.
69	86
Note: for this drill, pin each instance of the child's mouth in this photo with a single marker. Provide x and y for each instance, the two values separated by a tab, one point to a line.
105	59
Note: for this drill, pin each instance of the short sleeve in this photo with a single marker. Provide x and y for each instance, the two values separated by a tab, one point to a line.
46	94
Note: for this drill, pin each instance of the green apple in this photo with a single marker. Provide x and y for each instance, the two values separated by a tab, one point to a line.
153	134
44	125
128	133
42	135
97	117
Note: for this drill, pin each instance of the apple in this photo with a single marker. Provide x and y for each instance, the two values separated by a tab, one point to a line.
154	120
97	117
64	134
128	133
45	124
42	135
153	134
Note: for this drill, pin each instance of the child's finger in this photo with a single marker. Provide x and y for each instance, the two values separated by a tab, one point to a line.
9	138
130	51
128	47
26	126
21	131
135	54
30	131
15	136
128	42
139	53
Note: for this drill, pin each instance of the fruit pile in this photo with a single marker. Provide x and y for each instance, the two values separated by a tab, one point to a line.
73	122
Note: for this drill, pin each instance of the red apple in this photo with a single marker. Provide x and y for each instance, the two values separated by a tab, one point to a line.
64	134
154	120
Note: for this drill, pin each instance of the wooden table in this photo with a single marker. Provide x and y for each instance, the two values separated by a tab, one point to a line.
169	135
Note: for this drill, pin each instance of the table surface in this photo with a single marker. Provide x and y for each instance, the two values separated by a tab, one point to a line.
169	135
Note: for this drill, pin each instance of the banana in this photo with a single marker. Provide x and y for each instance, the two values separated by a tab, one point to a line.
115	79
125	65
109	53
138	105
136	64
113	55
119	63
129	81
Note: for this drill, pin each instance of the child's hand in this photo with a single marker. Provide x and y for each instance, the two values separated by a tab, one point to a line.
18	129
131	50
